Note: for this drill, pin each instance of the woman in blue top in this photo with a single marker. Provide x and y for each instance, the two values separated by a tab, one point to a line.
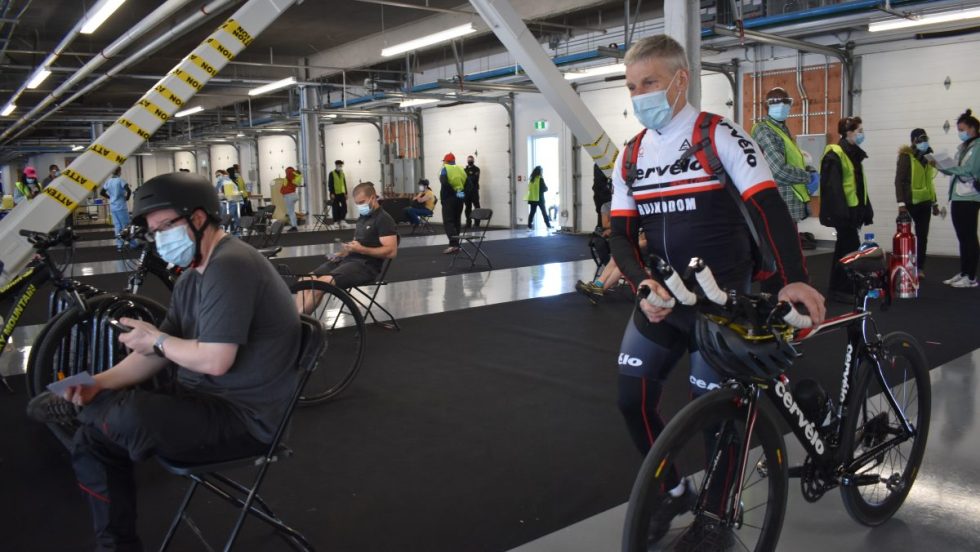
964	197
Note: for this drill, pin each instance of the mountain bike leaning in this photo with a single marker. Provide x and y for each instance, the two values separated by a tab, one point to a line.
869	443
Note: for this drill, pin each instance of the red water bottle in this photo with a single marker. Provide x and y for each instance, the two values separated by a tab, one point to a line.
902	268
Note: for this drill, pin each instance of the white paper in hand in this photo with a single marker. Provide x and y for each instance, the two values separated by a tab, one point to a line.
943	161
59	387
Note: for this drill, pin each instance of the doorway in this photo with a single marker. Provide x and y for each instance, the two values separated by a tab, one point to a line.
544	151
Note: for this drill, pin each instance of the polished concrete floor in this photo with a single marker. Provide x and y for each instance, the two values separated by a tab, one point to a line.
942	512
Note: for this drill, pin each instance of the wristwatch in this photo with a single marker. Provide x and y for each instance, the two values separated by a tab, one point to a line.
158	345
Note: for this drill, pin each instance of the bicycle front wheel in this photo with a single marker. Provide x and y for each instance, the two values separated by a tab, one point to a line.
729	508
886	457
346	336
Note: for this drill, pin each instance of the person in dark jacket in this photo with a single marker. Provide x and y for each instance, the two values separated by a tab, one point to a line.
915	190
471	190
844	202
601	190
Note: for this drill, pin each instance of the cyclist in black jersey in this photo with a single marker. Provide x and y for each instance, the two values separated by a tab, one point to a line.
685	211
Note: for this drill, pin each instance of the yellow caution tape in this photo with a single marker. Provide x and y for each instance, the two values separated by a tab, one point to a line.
130	125
596	143
63	200
86	183
169	95
186	77
213	42
108	154
234	29
609	166
154	109
609	144
203	64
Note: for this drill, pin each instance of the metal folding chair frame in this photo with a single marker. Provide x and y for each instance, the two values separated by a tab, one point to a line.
474	239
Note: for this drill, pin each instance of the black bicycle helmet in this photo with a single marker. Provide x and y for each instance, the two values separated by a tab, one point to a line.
183	192
735	356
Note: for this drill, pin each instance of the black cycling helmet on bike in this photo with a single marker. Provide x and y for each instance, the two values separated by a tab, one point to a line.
732	355
183	192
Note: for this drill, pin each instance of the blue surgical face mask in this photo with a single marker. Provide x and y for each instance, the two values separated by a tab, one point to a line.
175	246
859	138
653	109
922	146
779	112
964	135
364	209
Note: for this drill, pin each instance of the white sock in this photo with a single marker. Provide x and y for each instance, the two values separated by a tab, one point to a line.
678	490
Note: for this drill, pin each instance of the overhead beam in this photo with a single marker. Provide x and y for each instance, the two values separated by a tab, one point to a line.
465	12
486	86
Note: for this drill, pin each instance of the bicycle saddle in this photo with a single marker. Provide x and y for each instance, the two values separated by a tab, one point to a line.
865	261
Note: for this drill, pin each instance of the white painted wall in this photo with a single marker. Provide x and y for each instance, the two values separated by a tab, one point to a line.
184	160
275	154
223	156
474	129
157	164
358	145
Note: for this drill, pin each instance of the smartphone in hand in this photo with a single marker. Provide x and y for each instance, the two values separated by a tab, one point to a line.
120	326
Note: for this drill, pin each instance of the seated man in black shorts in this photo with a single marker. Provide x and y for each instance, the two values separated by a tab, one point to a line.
233	333
375	239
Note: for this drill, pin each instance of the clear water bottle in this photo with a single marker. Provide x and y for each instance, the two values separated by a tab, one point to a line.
869	241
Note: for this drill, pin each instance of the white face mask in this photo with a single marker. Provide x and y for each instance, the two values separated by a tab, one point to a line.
653	109
364	209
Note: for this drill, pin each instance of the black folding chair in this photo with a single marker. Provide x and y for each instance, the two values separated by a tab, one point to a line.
273	234
323	219
424	226
312	345
372	296
599	248
471	243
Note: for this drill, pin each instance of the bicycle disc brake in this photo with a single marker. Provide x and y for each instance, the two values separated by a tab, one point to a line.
814	482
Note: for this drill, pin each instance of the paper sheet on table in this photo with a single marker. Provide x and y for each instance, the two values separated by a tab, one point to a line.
59	387
943	161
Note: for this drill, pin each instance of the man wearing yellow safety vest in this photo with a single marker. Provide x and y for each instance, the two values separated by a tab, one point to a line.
783	155
915	190
844	202
453	181
337	186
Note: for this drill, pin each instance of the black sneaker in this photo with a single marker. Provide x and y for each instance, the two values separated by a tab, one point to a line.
706	535
50	408
670	507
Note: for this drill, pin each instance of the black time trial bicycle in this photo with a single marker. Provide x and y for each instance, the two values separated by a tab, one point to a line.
728	445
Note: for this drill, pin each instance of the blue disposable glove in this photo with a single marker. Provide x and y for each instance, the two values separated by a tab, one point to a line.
460	195
814	185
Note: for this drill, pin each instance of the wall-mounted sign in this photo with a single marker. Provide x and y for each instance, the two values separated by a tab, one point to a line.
541	124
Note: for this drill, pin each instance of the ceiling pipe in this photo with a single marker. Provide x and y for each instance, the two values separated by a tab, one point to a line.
13	26
486	86
159	15
471	14
141	76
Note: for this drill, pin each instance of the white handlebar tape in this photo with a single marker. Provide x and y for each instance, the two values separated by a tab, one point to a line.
680	291
706	279
797	320
658	301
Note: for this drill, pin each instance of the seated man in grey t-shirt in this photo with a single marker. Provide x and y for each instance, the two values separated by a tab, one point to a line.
233	332
360	260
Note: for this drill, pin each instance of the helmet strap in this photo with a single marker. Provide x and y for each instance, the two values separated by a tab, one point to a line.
198	237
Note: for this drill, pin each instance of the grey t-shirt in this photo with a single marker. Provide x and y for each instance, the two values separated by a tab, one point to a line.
369	231
241	299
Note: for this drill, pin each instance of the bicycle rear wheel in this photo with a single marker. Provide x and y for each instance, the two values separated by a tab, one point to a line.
699	443
877	488
81	339
346	336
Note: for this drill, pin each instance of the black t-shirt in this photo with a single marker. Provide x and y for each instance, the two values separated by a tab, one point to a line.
241	299
368	232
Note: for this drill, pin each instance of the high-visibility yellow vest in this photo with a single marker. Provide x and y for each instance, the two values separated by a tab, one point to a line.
339	182
923	188
849	180
794	158
534	189
456	176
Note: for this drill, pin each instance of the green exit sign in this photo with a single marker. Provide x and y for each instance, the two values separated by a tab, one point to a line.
541	124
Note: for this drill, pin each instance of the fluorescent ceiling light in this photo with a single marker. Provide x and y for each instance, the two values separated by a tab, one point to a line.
944	17
8	109
417	102
434	38
77	148
39	76
617	69
330	116
191	111
266	88
98	14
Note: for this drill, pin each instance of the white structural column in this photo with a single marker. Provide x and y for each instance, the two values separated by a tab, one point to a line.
682	22
310	152
131	130
505	22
